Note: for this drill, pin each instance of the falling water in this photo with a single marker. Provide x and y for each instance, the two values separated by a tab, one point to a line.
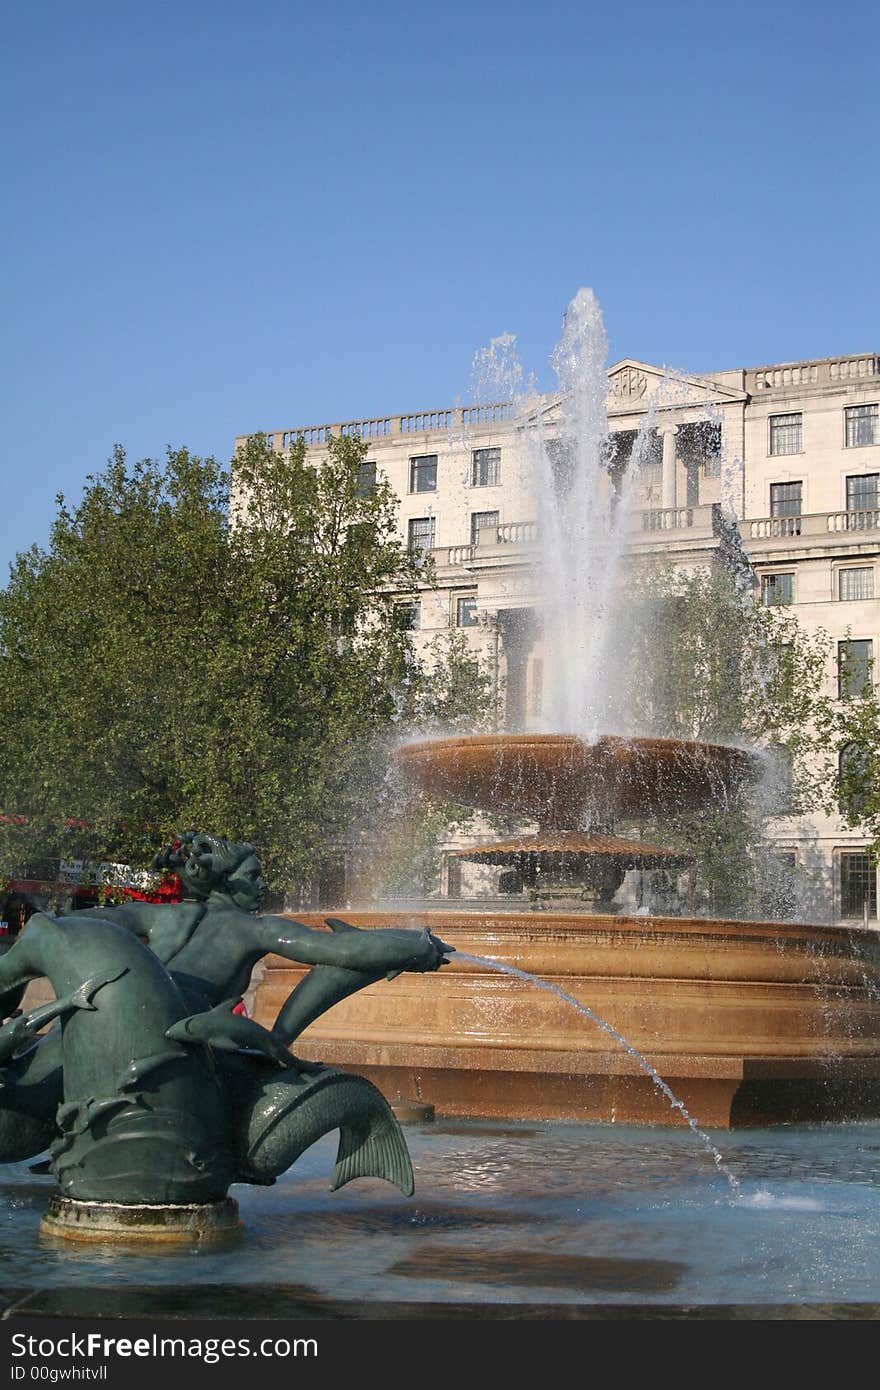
583	504
628	1047
580	520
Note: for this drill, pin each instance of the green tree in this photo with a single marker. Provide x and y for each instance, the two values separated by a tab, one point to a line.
163	666
100	638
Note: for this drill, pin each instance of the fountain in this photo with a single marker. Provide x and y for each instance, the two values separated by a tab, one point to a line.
747	1020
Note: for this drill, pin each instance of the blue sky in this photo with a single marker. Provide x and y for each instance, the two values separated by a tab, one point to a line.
222	217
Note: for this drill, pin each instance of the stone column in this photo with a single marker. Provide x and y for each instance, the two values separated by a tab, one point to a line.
668	434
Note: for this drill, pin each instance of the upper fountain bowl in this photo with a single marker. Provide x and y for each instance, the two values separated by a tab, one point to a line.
561	780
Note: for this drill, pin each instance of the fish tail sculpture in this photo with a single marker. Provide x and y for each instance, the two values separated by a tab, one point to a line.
282	1117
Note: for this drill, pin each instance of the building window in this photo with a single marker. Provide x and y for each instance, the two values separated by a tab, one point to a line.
618	451
786	499
858	885
855	782
482	521
786	433
857	582
466	611
777	588
408	616
863	492
453	876
862	425
423	473
698	445
854	662
422	533
366	479
486	467
779	899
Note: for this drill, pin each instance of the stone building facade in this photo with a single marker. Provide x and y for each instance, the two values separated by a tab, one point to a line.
791	449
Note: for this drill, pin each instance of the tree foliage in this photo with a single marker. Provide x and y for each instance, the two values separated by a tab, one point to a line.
161	667
709	662
845	779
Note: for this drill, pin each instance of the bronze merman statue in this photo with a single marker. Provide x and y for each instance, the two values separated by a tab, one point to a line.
152	1090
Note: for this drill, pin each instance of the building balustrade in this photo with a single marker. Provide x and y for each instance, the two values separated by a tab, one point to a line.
862	520
423	422
451	420
488	414
460	554
511	533
769	527
786	376
524	534
814	524
696	519
701	520
667	519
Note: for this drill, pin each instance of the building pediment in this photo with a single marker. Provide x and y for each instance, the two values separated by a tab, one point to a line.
634	386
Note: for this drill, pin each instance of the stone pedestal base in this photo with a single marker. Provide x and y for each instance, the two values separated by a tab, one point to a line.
108	1221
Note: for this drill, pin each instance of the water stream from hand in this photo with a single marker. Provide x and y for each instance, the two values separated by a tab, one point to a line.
657	1079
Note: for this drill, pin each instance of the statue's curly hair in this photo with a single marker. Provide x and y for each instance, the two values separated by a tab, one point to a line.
203	862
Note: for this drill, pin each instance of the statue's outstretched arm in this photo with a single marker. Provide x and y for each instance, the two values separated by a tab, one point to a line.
344	961
383	949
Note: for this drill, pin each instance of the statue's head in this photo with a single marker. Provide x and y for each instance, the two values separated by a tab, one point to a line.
210	863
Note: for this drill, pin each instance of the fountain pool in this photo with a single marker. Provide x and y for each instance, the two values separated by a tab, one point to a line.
526	1220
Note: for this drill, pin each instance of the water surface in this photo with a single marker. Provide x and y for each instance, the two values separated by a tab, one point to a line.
540	1214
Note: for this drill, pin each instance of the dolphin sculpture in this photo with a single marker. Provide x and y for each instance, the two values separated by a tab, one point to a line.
220	1027
22	1027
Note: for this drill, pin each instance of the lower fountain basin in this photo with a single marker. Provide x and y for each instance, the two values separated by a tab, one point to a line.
525	1222
747	1022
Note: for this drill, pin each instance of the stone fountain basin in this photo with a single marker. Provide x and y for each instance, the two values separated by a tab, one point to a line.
748	1022
560	779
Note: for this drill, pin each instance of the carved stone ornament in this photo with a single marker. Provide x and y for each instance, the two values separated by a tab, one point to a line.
629	384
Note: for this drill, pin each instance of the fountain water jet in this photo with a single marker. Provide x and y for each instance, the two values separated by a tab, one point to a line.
641	1061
